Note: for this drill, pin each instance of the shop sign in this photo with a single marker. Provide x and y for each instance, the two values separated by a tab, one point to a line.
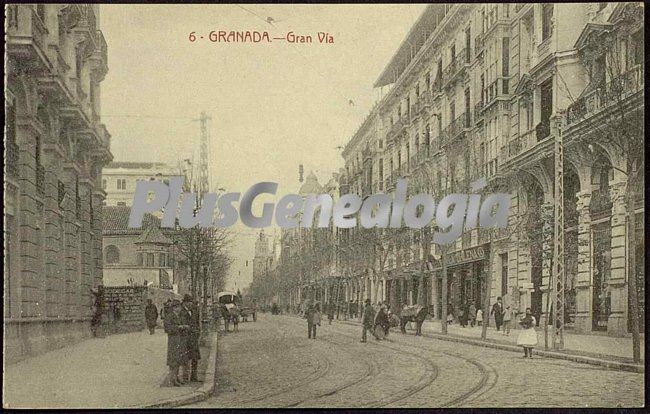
467	255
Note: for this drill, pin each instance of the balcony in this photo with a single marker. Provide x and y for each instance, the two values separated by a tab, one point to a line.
479	44
40	179
500	87
456	68
81	18
13	156
455	129
27	35
600	201
521	143
395	130
602	97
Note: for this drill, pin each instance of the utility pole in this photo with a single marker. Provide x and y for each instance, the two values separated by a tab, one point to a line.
204	158
558	275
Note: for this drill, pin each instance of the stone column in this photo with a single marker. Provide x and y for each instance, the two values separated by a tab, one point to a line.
421	295
547	256
54	227
617	321
583	319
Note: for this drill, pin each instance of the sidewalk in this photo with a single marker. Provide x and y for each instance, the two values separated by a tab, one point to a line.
590	345
612	352
124	370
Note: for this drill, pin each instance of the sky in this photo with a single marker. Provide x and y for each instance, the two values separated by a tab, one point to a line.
273	106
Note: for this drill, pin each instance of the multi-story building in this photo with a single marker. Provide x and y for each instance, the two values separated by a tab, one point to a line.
119	179
56	147
137	257
484	90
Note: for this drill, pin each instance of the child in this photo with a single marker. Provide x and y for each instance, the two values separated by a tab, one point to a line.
507	317
479	316
450	318
528	336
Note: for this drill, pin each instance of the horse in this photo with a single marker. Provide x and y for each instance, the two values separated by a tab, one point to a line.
413	313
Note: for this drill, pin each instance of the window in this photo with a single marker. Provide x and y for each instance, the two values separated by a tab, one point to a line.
112	254
428	80
104	184
504	274
121	184
150	260
381	169
637	45
482	88
468	111
468	45
417	89
452	53
506	10
452	111
162	260
547	20
547	107
505	56
139	259
380	143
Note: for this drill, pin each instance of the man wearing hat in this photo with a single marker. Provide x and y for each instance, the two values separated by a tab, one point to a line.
367	320
176	341
190	313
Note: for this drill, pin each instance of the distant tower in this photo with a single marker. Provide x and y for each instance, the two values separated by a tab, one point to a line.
301	172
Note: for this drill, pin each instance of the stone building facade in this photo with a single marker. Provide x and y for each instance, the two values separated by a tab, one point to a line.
119	179
56	147
483	90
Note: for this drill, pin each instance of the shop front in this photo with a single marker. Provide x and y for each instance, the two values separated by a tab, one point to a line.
466	276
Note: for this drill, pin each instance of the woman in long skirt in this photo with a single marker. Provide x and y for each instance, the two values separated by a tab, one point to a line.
528	336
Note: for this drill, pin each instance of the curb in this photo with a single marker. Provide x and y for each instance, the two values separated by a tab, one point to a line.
205	391
616	365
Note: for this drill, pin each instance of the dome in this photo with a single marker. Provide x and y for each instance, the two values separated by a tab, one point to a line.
311	185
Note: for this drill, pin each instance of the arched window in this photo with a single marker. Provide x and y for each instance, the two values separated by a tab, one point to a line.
112	254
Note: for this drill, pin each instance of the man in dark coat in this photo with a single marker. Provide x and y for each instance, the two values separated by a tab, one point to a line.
151	316
497	311
176	341
165	308
309	315
190	312
368	320
98	305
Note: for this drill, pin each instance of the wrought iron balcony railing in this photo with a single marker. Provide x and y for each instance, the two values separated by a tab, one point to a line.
454	129
603	96
479	43
600	201
455	67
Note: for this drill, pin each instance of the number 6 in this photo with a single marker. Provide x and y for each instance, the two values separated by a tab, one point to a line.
192	37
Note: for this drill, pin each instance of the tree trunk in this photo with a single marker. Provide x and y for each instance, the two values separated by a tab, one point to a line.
486	306
631	262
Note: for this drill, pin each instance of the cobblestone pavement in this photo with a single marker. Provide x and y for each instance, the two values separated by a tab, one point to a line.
271	363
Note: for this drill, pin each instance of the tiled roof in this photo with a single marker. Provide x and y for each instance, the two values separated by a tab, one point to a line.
115	220
153	235
129	164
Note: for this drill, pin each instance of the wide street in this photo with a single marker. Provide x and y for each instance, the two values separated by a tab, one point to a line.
271	363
